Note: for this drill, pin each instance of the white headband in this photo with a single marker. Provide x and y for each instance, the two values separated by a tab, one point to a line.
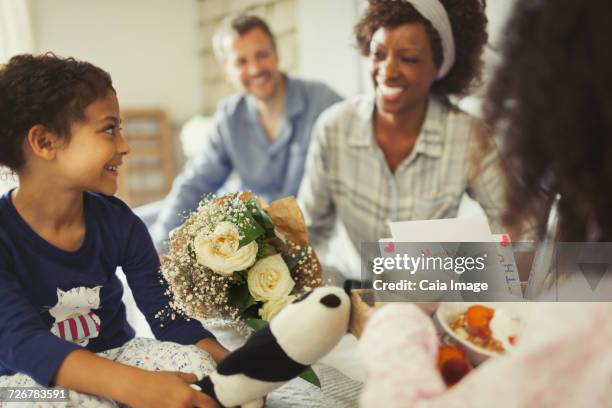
435	12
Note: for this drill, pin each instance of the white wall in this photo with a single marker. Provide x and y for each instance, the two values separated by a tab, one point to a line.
148	46
15	29
327	49
498	13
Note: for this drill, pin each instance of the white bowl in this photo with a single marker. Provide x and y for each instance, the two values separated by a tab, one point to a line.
447	312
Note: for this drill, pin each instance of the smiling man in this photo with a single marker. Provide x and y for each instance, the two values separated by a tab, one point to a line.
262	133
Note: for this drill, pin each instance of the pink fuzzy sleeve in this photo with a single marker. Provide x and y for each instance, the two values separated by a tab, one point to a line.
399	349
547	369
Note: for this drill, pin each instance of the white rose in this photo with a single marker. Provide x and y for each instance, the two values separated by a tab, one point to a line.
270	279
220	252
273	306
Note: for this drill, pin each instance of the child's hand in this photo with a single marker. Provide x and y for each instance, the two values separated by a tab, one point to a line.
214	348
361	311
86	372
165	389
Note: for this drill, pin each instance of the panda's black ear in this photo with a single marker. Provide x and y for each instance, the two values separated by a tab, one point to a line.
304	296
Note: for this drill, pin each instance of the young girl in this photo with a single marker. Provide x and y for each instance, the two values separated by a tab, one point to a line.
552	97
62	236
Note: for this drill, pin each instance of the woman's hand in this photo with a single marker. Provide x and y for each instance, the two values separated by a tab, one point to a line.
164	389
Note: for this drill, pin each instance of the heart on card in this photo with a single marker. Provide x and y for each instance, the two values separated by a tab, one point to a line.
505	241
390	247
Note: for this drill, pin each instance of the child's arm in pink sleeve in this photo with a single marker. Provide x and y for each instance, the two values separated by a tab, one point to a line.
399	348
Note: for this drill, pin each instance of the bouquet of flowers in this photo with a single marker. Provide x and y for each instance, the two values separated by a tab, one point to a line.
238	260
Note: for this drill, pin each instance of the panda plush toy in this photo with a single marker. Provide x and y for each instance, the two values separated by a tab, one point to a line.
300	334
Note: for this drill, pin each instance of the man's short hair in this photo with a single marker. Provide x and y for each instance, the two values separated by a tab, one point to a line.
238	25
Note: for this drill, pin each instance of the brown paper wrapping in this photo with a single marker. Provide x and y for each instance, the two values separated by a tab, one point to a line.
289	223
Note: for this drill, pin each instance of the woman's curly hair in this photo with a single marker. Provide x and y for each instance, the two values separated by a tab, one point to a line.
46	90
551	98
469	25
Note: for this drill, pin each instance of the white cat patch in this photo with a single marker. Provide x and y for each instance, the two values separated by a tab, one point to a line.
74	319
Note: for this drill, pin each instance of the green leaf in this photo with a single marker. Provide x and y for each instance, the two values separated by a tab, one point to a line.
310	376
256	324
239	277
249	228
261	217
240	297
264	249
251	231
191	252
251	312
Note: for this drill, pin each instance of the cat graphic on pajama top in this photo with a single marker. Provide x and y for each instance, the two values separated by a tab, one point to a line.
74	319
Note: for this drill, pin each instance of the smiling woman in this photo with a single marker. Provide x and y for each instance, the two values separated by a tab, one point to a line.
406	152
466	27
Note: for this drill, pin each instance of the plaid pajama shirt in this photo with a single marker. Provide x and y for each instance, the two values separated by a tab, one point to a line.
348	179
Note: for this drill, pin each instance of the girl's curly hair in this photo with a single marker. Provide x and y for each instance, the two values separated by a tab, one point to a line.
551	98
46	90
469	25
